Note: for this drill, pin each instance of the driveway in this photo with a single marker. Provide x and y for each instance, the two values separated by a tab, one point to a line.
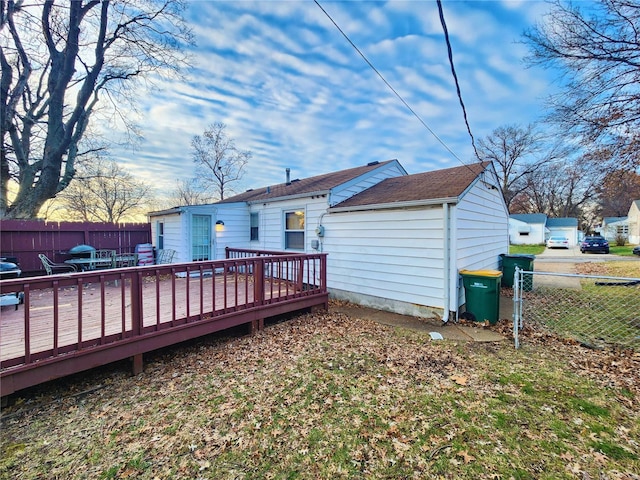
562	260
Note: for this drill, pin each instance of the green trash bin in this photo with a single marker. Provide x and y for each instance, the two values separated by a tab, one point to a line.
482	294
509	264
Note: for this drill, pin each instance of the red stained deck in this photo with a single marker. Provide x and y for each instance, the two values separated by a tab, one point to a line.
70	323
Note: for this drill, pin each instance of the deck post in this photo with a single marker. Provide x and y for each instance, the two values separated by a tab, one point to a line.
136	303
137	364
258	281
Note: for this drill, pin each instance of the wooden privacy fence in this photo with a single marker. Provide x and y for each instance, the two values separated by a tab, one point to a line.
25	239
72	322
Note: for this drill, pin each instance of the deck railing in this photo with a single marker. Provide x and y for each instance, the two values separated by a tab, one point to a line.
102	316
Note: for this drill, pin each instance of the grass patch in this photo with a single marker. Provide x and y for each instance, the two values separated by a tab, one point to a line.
325	396
625	250
526	249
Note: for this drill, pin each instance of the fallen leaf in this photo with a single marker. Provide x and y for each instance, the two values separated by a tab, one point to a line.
460	380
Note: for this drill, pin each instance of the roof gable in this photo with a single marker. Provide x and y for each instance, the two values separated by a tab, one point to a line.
308	186
438	184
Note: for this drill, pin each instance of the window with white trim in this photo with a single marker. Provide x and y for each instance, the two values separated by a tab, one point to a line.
254	226
159	235
294	230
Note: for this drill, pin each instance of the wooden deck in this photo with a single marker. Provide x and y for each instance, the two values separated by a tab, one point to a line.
69	323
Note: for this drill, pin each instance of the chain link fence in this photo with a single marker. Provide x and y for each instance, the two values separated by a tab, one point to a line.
597	311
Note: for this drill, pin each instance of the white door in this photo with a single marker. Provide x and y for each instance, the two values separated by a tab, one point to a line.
200	237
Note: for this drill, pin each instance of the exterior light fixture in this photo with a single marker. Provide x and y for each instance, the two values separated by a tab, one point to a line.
219	226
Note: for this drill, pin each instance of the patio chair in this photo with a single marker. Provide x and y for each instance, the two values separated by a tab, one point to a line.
126	260
165	256
52	267
104	258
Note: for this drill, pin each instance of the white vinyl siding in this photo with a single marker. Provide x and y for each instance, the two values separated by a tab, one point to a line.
387	254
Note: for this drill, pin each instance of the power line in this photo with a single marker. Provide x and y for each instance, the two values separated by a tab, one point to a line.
455	77
389	85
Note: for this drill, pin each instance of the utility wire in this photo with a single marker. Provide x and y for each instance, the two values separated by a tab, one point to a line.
455	77
390	87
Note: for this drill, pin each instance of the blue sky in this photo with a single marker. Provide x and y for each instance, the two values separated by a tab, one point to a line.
296	94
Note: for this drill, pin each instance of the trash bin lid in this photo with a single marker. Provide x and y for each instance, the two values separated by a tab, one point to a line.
482	273
518	255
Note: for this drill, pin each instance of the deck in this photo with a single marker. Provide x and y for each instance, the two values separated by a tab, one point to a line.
73	322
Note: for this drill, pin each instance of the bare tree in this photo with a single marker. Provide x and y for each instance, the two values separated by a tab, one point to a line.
561	189
596	46
190	192
516	153
219	162
58	62
102	191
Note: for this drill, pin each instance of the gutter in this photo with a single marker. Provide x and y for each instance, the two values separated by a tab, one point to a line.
391	205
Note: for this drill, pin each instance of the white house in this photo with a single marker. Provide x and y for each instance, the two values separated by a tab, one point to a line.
394	241
528	228
536	228
633	220
613	227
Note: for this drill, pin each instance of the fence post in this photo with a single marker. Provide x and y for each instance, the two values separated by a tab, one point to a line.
516	303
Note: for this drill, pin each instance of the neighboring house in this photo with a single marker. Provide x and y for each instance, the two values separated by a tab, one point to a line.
394	241
528	228
633	220
536	228
613	227
564	227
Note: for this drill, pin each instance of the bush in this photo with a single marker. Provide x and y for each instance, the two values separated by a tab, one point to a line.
621	240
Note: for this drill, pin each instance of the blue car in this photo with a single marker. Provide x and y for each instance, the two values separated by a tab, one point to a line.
594	243
636	250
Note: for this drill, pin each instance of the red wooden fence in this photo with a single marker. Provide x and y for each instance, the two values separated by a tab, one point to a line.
25	239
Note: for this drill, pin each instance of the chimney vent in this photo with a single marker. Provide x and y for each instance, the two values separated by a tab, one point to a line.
288	176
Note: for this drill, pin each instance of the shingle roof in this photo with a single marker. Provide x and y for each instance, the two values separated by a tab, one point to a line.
319	183
446	183
530	217
614	219
562	222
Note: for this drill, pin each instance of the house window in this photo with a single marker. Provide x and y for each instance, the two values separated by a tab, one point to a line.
294	230
254	226
622	230
160	235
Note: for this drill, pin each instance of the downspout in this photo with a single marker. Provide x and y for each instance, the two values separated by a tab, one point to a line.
446	260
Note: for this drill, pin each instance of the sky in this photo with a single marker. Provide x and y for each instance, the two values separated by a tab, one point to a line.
295	93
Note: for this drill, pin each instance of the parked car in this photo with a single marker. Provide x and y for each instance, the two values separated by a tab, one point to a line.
636	250
558	242
594	243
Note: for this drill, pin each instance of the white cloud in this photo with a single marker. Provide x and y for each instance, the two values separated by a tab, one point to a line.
296	94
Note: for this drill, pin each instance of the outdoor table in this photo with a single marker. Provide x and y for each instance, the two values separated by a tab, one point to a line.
90	263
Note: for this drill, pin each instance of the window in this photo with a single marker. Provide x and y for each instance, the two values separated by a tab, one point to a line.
160	235
254	226
294	230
